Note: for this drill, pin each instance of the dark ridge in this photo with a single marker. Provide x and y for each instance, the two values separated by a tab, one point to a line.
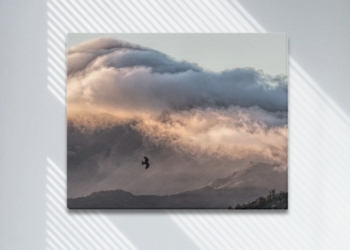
206	197
272	201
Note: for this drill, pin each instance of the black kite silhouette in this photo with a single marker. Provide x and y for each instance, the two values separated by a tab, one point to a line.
146	162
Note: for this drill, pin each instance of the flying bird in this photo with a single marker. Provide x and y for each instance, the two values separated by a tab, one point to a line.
146	162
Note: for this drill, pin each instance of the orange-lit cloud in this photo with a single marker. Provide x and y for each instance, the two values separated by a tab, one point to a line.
237	114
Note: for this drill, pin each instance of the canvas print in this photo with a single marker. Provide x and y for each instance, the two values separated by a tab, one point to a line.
162	121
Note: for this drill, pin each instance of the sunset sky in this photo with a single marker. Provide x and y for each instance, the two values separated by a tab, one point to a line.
199	106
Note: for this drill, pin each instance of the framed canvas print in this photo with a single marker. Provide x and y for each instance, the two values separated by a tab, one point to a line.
177	121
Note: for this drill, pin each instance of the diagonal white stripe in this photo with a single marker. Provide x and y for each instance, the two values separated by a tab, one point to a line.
159	11
62	238
54	67
135	15
157	22
184	14
100	16
59	62
88	18
70	224
77	20
54	238
125	14
113	10
174	17
56	168
188	230
220	13
54	92
51	245
63	16
208	17
58	88
85	229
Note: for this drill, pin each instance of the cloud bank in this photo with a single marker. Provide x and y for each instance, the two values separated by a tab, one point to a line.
108	73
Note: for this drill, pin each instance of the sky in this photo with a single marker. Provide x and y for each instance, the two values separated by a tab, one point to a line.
267	52
195	123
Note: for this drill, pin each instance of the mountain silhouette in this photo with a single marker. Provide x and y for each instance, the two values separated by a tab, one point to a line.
236	188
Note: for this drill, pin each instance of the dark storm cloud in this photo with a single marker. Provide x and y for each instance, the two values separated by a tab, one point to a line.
80	56
115	73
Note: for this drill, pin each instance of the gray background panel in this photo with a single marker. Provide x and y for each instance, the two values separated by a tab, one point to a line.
33	130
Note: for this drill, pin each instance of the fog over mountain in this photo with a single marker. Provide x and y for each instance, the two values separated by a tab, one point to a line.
199	129
236	188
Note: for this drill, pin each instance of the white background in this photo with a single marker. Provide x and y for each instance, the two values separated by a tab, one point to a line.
33	128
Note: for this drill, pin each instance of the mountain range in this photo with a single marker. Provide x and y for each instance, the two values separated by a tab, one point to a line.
238	187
